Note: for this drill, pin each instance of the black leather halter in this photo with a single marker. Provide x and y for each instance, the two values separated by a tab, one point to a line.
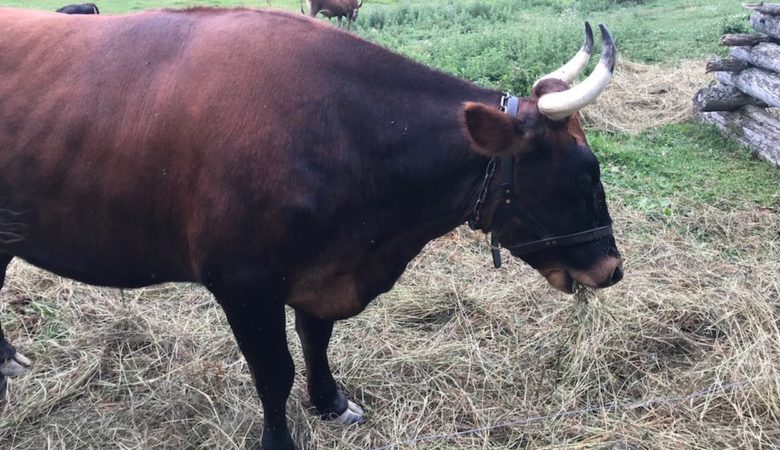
510	207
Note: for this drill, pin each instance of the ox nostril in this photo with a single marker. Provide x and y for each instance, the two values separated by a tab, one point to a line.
617	275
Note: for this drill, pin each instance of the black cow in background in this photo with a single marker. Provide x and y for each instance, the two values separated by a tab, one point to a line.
84	8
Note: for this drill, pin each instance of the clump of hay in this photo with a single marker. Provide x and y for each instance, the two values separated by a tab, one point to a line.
455	346
643	96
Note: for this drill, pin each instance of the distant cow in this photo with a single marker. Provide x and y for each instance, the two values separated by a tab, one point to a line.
335	8
279	162
83	8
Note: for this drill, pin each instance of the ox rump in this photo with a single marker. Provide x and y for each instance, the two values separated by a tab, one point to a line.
279	161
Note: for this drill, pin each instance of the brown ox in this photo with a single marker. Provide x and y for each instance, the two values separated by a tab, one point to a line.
335	8
278	161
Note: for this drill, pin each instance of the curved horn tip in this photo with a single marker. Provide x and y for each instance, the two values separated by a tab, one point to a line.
559	105
588	44
569	71
608	48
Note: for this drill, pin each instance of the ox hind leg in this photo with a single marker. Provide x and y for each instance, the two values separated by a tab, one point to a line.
259	328
12	363
325	395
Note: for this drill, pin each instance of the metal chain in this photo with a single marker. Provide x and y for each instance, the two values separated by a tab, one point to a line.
491	169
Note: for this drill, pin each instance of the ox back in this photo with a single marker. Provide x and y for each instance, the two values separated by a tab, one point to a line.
181	146
268	156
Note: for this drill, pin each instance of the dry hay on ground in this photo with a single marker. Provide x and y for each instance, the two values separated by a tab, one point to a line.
643	96
455	346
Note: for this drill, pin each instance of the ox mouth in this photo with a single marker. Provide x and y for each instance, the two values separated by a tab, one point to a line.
605	274
560	279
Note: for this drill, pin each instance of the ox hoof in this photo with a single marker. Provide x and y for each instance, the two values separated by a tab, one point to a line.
352	415
15	366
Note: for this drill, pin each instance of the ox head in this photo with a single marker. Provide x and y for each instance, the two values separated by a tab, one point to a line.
546	203
355	11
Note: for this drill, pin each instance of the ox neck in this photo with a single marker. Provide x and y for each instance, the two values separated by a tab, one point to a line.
417	161
508	105
468	169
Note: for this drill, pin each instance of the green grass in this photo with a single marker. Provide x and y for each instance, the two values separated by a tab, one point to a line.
673	168
508	43
503	41
546	32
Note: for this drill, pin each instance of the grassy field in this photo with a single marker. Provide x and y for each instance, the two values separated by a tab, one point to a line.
687	346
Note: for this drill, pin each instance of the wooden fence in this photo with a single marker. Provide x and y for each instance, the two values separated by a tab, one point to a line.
741	103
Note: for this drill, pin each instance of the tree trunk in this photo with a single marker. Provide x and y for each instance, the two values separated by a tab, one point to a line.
764	8
763	55
721	98
758	83
766	24
750	126
731	40
726	65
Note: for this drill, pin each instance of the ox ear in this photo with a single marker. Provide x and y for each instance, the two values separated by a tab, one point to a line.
492	132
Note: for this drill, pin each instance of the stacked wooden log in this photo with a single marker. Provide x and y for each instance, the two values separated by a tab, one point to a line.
748	82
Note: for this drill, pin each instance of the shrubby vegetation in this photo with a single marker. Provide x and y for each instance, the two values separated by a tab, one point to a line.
603	5
508	43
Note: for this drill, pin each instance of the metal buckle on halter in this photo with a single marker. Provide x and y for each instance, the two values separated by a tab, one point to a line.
502	104
508	104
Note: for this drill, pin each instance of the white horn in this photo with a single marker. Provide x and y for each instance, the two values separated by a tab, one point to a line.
559	105
569	71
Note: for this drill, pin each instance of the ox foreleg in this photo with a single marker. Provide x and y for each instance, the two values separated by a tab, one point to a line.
12	363
325	395
259	328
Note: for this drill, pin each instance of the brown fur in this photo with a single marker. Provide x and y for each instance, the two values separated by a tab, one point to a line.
270	157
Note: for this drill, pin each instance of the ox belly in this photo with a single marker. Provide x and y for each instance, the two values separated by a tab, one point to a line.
120	262
339	290
327	297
